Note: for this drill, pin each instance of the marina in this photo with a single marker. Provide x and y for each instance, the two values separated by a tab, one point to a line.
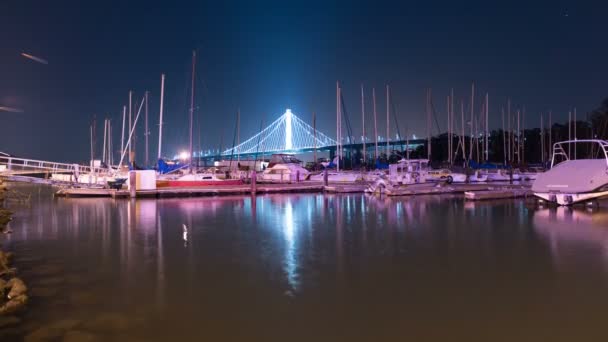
253	171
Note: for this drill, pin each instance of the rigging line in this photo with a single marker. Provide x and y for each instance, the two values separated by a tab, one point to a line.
345	115
396	122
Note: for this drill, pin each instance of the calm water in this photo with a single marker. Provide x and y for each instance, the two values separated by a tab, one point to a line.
309	267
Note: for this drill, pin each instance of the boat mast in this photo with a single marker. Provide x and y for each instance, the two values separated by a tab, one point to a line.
449	131
122	139
518	139
388	136
551	134
147	130
338	125
238	135
428	124
487	127
472	113
523	134
105	134
363	124
314	130
575	138
130	123
160	119
192	107
509	144
375	125
91	160
569	132
504	136
464	157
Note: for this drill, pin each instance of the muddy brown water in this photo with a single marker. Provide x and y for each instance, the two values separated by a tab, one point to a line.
308	267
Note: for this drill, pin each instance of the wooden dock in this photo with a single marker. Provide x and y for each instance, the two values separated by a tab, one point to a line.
496	194
219	190
472	192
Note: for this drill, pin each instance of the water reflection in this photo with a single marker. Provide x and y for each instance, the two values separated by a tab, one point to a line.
577	237
316	264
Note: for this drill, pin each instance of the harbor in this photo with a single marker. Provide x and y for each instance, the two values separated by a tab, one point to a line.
303	171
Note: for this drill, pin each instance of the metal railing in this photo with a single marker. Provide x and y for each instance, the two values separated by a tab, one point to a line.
12	164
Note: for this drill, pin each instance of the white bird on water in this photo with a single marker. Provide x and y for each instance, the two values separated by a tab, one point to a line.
185	234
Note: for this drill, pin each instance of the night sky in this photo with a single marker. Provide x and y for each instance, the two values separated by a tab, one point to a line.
265	57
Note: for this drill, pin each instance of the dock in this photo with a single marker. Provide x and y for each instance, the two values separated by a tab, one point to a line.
472	192
219	190
496	194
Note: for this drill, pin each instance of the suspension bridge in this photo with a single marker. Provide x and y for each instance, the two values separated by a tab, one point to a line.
290	134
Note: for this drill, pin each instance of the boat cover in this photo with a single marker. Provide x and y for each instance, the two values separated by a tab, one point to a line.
573	176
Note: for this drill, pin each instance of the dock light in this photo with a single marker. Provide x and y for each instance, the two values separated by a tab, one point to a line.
184	155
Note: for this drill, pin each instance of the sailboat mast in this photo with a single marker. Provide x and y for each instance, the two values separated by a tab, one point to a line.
238	135
338	125
363	124
375	125
487	128
509	145
504	136
428	124
449	130
314	130
518	139
575	138
130	123
147	160
105	134
192	108
122	139
388	136
160	119
464	157
472	119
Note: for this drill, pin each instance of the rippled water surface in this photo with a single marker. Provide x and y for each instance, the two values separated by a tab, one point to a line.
308	268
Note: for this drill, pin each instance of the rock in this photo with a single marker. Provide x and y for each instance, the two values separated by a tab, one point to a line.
108	322
8	321
14	305
17	287
80	336
52	331
2	287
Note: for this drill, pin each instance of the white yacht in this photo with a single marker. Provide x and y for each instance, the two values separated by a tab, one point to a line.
284	168
571	181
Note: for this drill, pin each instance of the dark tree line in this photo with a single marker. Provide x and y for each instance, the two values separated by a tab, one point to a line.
534	144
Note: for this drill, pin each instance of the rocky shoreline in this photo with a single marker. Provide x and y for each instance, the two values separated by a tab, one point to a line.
13	291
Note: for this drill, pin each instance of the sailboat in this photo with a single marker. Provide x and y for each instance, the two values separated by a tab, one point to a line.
191	178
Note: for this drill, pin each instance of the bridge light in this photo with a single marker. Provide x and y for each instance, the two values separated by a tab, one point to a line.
288	141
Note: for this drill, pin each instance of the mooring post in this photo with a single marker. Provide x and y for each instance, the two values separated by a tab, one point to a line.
132	183
325	181
298	176
253	182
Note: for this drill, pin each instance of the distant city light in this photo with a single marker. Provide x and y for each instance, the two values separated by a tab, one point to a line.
184	155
